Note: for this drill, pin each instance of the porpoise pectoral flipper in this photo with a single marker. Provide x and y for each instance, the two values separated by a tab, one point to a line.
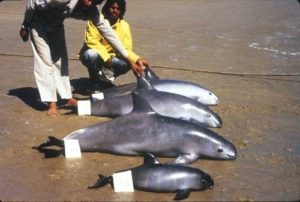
102	181
182	194
186	159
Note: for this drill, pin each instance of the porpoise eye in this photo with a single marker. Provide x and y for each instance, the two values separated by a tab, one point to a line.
204	182
220	150
208	115
210	93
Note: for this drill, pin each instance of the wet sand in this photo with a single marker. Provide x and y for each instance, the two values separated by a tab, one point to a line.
246	52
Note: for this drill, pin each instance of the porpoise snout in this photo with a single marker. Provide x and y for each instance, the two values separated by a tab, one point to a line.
211	183
232	154
214	100
219	121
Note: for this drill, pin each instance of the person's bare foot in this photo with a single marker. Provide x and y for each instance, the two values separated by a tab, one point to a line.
72	102
53	110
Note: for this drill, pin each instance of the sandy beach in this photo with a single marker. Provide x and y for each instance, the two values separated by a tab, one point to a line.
246	52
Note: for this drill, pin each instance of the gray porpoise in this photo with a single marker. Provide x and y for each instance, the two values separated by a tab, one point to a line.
144	131
184	88
153	176
163	103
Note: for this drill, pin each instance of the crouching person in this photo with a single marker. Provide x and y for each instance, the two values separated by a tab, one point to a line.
103	62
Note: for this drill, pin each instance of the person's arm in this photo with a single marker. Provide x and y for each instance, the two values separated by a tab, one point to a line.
93	41
31	7
29	12
107	32
127	41
126	38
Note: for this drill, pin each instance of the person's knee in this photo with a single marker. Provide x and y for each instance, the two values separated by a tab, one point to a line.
120	66
122	69
90	57
125	67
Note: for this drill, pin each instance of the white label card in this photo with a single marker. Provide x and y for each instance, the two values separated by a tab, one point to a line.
84	107
72	149
123	181
97	96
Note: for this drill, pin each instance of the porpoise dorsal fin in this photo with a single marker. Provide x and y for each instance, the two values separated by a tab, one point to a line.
140	104
149	74
142	83
149	159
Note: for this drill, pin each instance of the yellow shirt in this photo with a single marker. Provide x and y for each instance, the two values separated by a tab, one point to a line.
94	40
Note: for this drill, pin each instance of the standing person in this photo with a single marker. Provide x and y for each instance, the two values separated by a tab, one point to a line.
44	21
103	62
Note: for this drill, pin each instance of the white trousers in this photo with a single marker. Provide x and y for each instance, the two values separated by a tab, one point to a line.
50	63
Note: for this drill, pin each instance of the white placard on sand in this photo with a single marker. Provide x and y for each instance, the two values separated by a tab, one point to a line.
123	181
72	149
84	107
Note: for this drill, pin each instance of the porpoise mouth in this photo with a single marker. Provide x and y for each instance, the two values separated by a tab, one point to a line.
211	184
219	125
216	99
232	157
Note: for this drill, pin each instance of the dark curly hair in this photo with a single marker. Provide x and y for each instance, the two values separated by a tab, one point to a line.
108	3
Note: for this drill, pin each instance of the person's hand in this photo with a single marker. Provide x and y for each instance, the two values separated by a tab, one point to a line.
139	66
142	63
138	70
24	33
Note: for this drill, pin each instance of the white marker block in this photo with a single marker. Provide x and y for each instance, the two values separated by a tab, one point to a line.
72	149
97	96
123	181
84	107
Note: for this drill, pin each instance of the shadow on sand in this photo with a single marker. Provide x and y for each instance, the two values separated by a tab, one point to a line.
29	96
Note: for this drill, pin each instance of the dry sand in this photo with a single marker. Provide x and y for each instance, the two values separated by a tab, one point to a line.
226	46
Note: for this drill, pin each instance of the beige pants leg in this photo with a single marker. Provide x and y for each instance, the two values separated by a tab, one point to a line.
50	64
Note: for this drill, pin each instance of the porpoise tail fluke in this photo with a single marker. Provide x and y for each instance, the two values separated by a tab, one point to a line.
49	152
